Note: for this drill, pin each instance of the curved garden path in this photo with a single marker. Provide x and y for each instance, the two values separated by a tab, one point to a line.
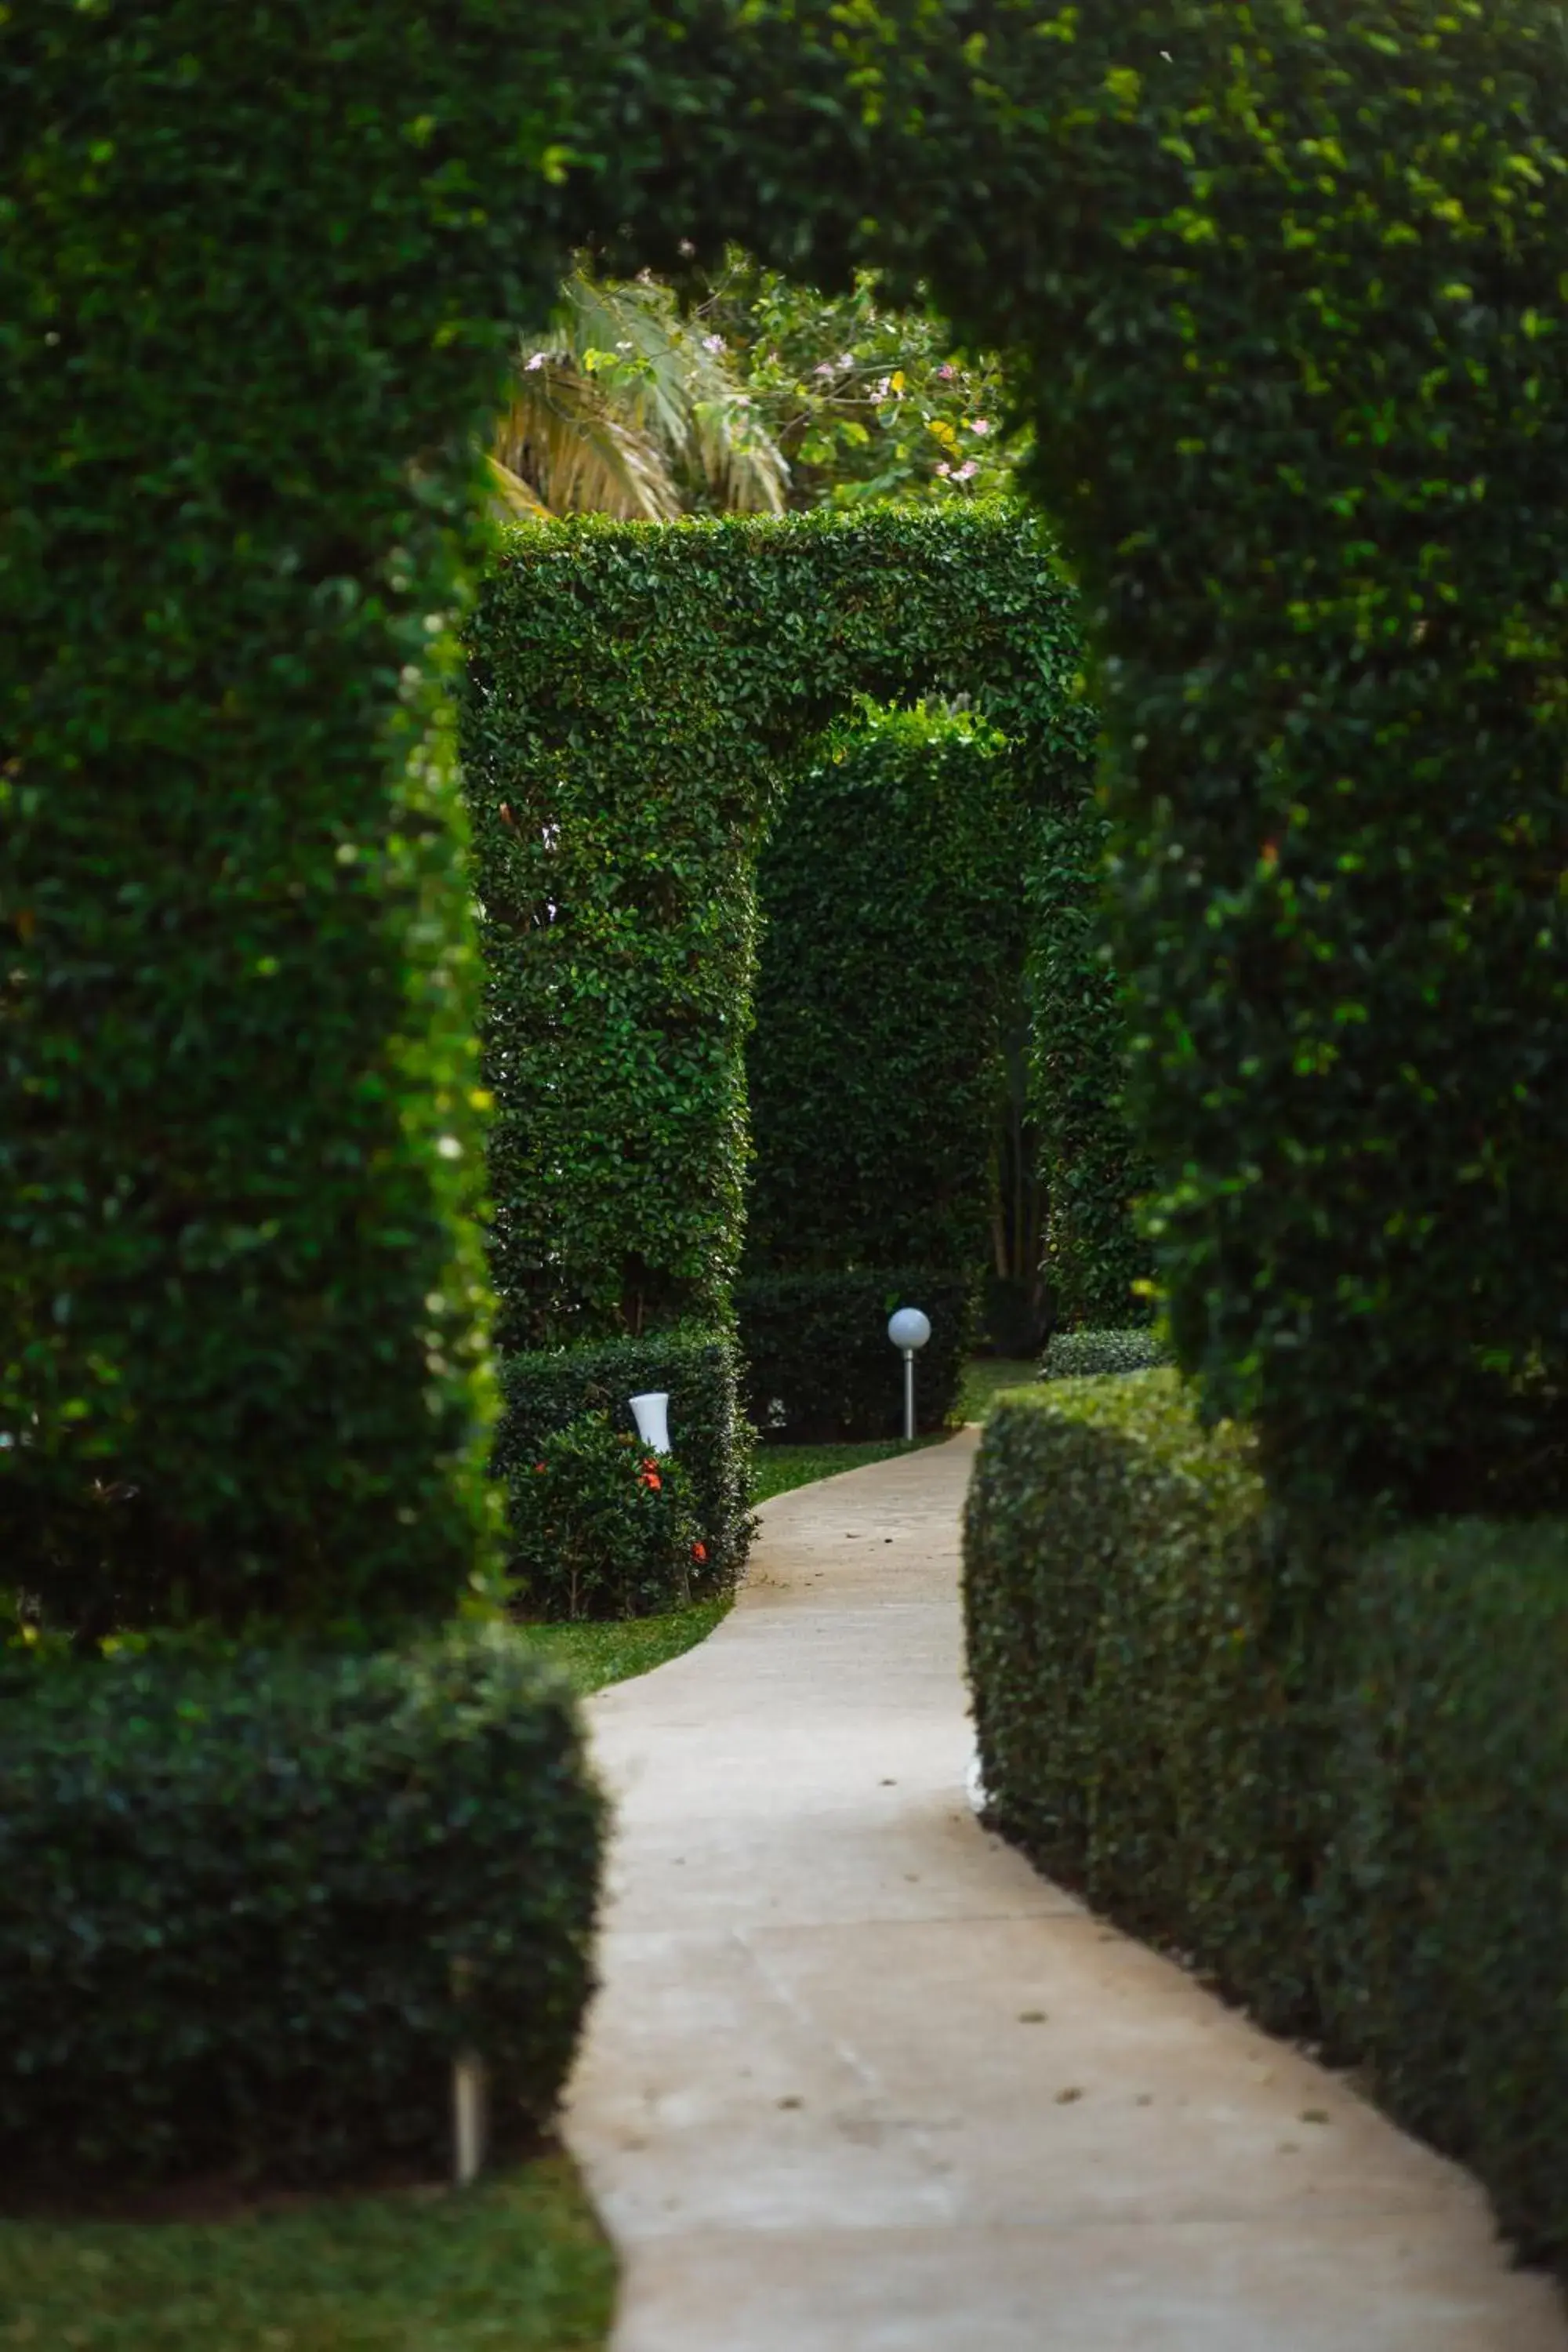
859	2080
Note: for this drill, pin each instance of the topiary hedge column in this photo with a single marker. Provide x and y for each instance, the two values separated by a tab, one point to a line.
255	295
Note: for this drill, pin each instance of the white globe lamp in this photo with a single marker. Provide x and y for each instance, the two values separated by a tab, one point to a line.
909	1329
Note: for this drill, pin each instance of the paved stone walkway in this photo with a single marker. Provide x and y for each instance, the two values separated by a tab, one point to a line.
859	2082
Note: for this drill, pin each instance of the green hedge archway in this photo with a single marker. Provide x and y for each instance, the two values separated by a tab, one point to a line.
636	694
1284	295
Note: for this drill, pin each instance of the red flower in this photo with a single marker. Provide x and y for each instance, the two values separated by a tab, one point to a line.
650	1478
540	1468
699	1553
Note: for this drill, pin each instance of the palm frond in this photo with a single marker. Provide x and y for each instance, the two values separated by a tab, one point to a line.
623	400
578	455
519	497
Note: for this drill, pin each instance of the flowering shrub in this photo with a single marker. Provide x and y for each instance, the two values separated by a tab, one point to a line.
601	1527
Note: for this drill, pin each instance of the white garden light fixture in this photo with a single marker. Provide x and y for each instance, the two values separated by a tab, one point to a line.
909	1329
651	1411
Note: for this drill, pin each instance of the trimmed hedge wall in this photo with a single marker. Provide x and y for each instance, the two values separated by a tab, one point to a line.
819	1366
545	1392
1442	1917
254	326
1093	1169
892	925
636	694
1332	1778
1075	1355
233	1896
1136	1664
1283	291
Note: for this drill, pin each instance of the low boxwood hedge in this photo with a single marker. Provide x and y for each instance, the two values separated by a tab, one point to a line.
819	1367
251	1905
1073	1355
1442	1916
1137	1680
1334	1779
546	1391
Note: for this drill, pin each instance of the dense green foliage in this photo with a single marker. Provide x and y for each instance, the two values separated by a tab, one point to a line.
892	923
636	697
546	1391
1282	296
253	1907
598	1526
1073	1355
1284	291
1306	445
1443	1914
1127	1671
1335	1784
819	1365
1092	1168
240	1311
866	400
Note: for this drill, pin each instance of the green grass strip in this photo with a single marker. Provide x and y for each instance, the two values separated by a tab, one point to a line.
518	2263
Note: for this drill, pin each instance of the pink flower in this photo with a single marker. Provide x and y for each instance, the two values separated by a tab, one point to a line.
980	424
947	371
713	342
966	470
944	467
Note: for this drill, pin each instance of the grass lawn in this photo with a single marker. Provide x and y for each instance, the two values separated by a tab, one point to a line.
592	1655
515	2264
780	1467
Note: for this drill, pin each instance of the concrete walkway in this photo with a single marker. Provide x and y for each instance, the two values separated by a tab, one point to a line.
859	2082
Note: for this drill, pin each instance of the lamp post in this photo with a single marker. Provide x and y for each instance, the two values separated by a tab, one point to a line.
909	1329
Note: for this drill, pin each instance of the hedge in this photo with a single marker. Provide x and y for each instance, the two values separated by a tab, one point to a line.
892	927
1330	1774
1076	1355
546	1391
1282	299
819	1366
1137	1659
1281	294
635	696
253	326
253	1906
1094	1172
1310	458
1443	1912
